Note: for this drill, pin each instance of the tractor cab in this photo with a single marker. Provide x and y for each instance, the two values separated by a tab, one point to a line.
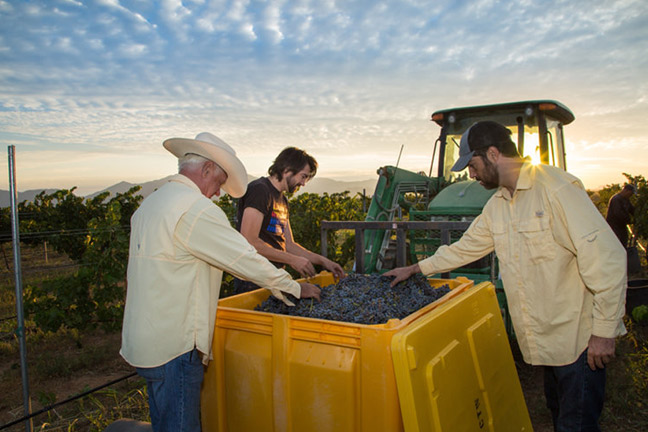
536	127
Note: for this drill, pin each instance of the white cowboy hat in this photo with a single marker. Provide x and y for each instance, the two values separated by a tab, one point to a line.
216	150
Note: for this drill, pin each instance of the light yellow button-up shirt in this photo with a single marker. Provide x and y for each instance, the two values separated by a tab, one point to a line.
563	270
181	242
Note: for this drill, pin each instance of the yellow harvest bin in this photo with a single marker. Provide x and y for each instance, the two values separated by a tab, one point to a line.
279	373
455	370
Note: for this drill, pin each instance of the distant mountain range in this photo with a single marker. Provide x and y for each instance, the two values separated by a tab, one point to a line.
317	186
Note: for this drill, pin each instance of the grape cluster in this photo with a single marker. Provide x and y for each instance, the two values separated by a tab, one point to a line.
362	299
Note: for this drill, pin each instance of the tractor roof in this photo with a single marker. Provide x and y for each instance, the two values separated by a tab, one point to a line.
551	108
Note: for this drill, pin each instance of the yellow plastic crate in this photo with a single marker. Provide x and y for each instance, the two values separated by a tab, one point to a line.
455	370
274	372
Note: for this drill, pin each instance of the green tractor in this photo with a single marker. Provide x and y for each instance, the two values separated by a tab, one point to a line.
537	129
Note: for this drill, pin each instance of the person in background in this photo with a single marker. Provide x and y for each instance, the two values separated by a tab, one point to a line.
620	211
264	219
180	244
563	270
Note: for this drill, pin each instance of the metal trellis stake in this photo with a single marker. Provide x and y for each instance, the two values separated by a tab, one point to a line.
20	331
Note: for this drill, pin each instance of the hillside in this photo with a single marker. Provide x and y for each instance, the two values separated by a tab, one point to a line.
317	186
28	195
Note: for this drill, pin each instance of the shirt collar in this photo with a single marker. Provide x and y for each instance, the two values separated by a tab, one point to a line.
180	178
525	180
526	176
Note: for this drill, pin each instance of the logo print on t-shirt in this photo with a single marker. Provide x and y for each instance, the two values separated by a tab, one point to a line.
277	222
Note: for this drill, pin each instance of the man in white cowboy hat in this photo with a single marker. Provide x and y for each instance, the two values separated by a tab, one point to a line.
180	244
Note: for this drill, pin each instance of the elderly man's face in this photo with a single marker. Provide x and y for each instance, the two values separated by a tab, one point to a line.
482	170
215	178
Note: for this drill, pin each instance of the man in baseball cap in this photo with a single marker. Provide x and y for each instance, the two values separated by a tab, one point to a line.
479	137
563	270
180	244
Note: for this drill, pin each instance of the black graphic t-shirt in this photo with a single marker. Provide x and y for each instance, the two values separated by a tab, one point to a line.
262	196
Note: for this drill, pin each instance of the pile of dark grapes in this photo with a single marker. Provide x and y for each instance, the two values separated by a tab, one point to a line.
362	299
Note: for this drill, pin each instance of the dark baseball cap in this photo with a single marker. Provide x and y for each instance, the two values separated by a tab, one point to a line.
479	135
630	187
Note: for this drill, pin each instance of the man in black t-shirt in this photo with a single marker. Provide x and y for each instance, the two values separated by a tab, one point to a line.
264	219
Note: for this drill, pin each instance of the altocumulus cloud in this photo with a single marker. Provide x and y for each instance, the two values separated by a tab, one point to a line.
364	76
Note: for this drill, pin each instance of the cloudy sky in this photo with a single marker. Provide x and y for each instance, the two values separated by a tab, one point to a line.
90	89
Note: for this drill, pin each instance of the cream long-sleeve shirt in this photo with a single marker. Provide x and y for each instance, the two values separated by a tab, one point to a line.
181	242
563	270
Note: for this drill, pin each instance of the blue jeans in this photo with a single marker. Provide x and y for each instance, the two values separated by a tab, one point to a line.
174	393
575	395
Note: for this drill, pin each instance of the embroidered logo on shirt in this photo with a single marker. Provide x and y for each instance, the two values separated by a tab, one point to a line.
591	236
539	213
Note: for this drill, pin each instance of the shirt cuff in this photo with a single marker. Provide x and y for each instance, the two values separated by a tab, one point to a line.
608	328
294	289
427	267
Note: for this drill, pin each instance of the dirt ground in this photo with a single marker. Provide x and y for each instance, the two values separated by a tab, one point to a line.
624	408
58	370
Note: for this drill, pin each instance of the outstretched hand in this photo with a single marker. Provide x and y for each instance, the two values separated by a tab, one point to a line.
309	290
402	273
303	266
334	268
